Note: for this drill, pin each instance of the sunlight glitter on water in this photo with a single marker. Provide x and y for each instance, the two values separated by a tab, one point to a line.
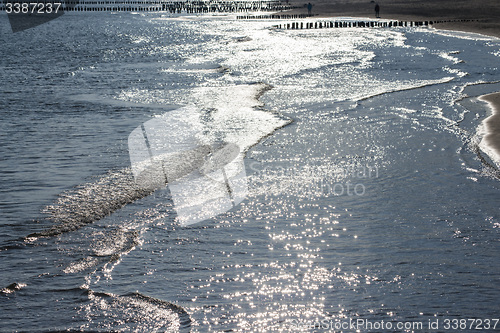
360	207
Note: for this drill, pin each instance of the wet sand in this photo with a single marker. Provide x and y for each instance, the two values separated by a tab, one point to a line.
491	141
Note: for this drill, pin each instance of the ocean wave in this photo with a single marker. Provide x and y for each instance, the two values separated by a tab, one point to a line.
91	201
13	287
233	114
134	312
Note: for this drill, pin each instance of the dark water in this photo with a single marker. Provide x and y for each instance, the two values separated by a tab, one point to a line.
368	197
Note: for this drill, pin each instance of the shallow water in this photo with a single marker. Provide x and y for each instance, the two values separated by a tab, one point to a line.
368	197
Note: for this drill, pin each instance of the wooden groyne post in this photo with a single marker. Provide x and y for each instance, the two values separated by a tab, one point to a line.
353	24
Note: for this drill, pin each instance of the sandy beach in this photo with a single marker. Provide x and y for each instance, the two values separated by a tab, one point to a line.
479	16
492	126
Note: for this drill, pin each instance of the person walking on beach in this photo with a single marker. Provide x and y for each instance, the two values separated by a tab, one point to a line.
309	8
377	10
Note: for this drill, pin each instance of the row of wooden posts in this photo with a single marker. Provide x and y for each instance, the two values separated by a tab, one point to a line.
340	24
361	24
352	24
165	8
273	17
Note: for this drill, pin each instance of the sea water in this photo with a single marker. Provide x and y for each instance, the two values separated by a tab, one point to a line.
367	195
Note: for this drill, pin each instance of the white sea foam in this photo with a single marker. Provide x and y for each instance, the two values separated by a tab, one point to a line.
448	56
484	130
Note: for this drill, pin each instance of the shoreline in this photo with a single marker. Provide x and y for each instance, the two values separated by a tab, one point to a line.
480	16
490	143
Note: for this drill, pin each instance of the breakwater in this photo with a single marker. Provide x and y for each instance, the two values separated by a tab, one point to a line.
340	23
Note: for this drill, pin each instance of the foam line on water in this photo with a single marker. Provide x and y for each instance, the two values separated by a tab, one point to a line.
418	85
490	142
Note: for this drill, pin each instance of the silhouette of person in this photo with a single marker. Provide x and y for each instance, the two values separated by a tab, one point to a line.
309	8
377	10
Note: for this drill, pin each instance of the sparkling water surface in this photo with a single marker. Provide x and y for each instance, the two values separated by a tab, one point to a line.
368	197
